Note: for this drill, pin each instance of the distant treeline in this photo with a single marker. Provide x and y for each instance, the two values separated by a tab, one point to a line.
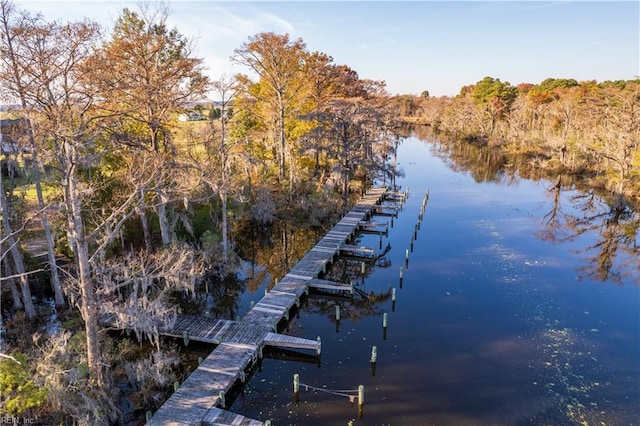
564	125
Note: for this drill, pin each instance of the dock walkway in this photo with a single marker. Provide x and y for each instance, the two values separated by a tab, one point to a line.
200	398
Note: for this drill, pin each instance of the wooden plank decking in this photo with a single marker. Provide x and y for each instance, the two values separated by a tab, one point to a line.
199	399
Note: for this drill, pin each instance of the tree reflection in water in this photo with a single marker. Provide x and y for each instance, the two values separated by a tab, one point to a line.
576	208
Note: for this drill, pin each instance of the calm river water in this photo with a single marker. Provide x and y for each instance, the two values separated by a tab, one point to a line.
520	305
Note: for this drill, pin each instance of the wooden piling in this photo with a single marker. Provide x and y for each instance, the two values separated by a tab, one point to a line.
222	402
374	355
296	383
337	312
185	337
296	388
319	346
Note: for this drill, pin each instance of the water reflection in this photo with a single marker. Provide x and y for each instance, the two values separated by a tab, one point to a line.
272	250
613	255
576	209
215	297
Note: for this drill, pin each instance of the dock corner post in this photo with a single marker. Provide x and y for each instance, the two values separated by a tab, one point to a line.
176	386
296	388
267	423
318	346
148	416
360	401
185	337
221	399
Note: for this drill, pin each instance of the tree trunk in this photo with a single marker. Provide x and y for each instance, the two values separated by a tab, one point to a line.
18	261
282	140
51	254
88	302
225	230
142	211
15	294
165	230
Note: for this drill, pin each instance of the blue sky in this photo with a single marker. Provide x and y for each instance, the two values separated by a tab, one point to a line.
415	45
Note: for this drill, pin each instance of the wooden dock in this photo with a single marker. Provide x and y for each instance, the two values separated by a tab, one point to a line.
200	399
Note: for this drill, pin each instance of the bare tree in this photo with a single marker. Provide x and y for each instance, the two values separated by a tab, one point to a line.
56	94
13	60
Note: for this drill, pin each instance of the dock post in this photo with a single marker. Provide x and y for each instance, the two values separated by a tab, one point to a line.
222	402
406	257
296	387
362	268
374	358
412	240
253	303
318	346
185	337
360	401
384	326
337	312
148	416
401	271
199	360
393	299
176	386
